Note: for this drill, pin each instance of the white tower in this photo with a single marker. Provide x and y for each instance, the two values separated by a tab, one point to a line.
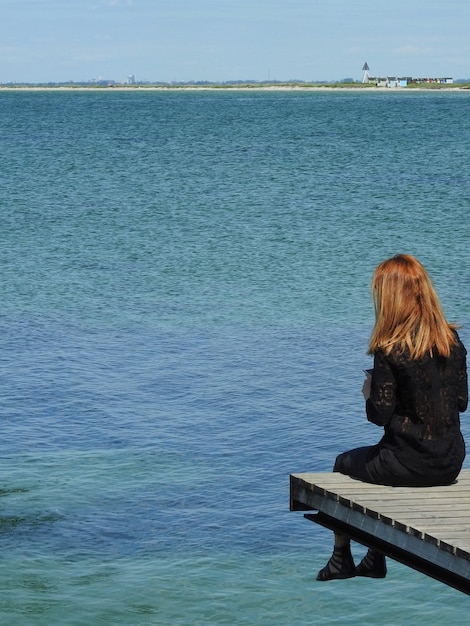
365	69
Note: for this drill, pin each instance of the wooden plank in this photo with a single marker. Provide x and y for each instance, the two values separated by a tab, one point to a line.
426	528
363	498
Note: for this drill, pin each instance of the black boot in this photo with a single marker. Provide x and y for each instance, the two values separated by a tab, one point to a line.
373	565
341	565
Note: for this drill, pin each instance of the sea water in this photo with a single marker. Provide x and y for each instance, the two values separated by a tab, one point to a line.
185	310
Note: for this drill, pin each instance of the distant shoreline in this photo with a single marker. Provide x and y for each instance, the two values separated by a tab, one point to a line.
309	88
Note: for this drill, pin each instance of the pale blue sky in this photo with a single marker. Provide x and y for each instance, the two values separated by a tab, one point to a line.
218	40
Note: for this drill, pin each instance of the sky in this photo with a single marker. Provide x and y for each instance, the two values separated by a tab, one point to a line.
224	40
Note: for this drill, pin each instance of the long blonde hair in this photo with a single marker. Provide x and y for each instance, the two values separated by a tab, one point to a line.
408	314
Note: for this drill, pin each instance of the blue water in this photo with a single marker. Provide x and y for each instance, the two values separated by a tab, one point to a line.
185	312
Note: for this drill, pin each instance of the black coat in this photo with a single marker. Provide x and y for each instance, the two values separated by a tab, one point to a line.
418	402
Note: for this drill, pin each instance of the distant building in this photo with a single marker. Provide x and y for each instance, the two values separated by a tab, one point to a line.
131	79
441	81
365	76
404	81
390	81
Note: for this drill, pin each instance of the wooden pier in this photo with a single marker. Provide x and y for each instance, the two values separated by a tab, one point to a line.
426	528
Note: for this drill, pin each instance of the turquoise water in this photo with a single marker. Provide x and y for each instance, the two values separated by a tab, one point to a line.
185	314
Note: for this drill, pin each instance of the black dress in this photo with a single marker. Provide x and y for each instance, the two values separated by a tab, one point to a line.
418	402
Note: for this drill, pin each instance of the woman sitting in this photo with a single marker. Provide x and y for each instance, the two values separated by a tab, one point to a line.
416	392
